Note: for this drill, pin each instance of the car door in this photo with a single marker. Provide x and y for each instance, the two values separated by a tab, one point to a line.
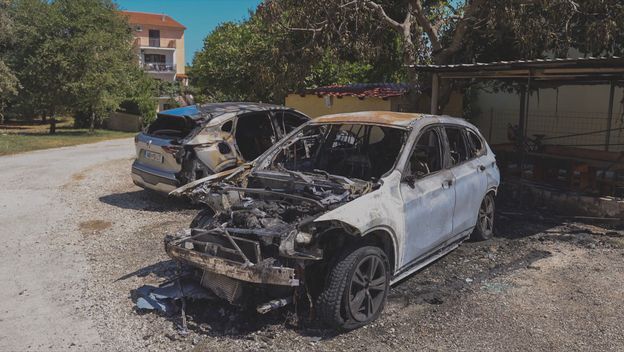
470	180
429	197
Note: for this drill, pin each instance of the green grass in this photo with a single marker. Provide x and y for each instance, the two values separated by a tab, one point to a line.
16	137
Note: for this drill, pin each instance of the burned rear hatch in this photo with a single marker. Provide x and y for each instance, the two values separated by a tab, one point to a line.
159	147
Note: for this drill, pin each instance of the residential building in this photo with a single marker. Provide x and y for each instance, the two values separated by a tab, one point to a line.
159	41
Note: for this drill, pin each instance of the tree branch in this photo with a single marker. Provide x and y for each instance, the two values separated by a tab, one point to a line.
426	25
384	16
460	32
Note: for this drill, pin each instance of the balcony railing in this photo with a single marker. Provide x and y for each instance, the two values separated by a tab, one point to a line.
154	42
158	67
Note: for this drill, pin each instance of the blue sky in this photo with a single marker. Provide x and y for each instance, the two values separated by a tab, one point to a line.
199	16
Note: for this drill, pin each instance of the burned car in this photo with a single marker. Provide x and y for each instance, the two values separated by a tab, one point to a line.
189	143
340	209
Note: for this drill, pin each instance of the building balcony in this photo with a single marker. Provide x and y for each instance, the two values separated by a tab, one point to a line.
152	43
159	67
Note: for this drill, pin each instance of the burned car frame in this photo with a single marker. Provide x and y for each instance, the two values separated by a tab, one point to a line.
340	209
188	143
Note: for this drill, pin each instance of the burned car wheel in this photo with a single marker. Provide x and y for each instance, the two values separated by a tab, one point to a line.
203	219
356	289
485	221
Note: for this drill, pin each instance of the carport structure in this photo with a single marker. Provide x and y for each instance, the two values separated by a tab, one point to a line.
542	151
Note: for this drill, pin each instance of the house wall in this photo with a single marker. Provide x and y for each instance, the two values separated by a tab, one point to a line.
314	106
554	112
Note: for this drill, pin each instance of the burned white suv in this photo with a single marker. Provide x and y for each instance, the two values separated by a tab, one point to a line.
339	210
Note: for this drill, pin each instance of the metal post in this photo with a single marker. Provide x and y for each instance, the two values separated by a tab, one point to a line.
491	125
522	117
610	115
435	92
521	124
526	110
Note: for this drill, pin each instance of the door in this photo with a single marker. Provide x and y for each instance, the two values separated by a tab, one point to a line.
154	38
470	180
429	197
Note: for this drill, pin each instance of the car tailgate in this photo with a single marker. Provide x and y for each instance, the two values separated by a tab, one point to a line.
157	153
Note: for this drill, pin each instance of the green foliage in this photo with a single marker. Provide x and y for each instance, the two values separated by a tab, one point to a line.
142	94
74	56
8	82
331	70
260	60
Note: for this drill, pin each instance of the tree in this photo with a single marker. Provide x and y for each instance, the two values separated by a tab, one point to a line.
99	51
262	60
444	32
37	61
8	81
72	56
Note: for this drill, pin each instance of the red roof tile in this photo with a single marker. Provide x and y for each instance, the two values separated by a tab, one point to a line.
152	19
362	90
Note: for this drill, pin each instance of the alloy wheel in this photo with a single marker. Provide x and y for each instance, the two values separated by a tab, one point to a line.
367	288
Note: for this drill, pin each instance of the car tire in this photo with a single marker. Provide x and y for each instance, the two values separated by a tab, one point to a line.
484	230
203	218
352	296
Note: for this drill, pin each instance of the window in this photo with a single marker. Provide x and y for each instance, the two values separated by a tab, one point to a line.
457	145
155	59
286	122
476	145
154	38
427	155
254	134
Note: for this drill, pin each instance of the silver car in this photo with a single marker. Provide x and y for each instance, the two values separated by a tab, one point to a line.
338	211
192	142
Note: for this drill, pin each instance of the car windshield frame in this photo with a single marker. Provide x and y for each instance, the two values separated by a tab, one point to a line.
264	163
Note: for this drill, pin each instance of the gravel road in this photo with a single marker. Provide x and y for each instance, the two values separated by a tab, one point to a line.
80	238
43	266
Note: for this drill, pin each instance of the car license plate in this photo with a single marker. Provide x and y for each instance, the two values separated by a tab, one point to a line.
153	156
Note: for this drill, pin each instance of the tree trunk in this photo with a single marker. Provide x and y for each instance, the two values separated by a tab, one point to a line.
44	119
53	125
92	123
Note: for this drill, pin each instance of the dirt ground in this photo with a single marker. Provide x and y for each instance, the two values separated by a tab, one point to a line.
542	284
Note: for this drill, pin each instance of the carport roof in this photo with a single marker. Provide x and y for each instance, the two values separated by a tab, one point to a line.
588	70
361	90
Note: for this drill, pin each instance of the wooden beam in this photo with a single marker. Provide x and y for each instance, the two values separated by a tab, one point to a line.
610	116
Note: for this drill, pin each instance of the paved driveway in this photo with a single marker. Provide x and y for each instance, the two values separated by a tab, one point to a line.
43	270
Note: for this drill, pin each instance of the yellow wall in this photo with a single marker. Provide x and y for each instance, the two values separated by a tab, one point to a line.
314	106
180	63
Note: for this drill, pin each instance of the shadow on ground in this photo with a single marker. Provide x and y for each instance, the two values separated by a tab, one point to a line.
147	201
162	269
466	269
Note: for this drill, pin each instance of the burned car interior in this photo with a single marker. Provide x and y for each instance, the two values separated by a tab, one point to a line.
256	132
353	151
177	127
